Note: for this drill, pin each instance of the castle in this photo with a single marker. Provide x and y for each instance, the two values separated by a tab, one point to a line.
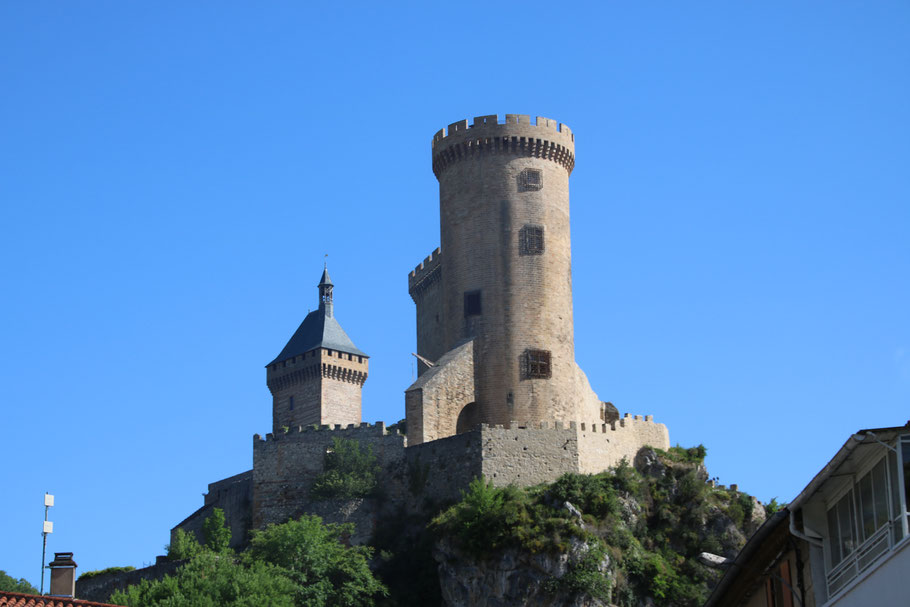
499	393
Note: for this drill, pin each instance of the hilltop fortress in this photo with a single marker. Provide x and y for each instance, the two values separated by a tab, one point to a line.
499	393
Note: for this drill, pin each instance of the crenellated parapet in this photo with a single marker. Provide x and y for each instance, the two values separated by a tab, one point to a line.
425	275
546	139
314	372
350	431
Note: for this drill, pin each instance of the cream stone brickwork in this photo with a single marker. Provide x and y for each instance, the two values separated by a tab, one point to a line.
326	386
433	403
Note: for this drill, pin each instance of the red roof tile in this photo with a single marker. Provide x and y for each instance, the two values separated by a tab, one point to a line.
16	599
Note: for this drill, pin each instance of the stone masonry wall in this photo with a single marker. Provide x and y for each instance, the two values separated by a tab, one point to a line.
425	288
528	455
434	402
439	470
602	446
286	464
234	496
326	386
525	297
540	453
100	587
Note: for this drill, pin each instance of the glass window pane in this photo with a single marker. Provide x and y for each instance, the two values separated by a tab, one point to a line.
895	485
905	456
880	489
866	506
846	520
834	535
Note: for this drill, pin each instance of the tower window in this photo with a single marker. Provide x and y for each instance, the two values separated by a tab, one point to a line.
537	364
530	240
530	180
472	303
291	403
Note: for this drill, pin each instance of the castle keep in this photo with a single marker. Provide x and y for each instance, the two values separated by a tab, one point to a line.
499	393
502	279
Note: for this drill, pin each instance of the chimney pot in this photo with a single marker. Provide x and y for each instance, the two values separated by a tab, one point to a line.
63	575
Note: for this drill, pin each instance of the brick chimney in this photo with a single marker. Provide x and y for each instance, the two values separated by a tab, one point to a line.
63	575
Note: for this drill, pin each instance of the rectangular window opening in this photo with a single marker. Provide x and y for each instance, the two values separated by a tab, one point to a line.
472	303
537	364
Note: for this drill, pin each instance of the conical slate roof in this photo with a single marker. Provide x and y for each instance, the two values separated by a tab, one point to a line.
318	331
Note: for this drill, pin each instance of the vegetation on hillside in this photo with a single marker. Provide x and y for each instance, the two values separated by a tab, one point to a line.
651	525
299	563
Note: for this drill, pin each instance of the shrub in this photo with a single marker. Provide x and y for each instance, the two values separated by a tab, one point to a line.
773	507
183	546
90	574
584	576
217	535
349	471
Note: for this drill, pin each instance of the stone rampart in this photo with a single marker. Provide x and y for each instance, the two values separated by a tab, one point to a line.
439	470
99	588
529	454
234	496
285	464
602	446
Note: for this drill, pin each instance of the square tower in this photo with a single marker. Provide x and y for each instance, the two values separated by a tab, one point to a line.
318	377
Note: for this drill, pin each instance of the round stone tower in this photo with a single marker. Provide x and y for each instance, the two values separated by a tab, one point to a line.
506	264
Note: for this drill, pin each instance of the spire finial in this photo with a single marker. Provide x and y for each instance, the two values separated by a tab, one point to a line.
325	289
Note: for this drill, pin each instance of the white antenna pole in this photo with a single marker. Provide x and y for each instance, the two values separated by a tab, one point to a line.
48	529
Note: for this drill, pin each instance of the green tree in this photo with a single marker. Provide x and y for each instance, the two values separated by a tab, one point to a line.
300	563
217	536
11	584
350	471
183	546
213	580
327	572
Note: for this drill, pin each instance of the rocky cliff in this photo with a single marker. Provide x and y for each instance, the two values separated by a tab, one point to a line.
629	537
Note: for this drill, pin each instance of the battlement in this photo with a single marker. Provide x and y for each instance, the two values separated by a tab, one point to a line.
487	124
351	431
626	421
547	140
426	273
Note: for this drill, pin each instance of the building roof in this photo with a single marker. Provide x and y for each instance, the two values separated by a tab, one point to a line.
17	599
319	330
845	459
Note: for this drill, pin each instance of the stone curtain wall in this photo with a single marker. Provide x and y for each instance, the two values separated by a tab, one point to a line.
439	470
433	402
425	288
286	464
234	495
540	453
528	455
602	446
100	587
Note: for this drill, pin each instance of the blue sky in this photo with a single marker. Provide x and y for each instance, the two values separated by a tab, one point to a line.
171	175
